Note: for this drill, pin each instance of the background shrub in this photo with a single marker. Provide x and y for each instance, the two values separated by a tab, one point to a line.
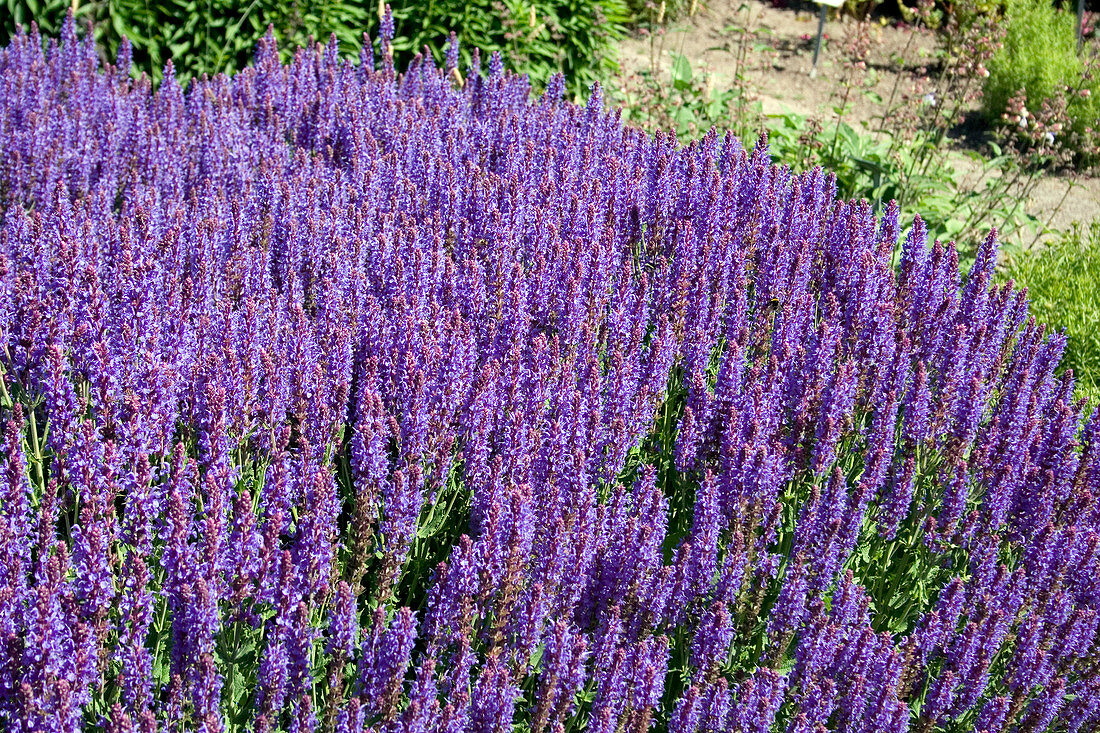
1040	56
211	36
199	36
540	38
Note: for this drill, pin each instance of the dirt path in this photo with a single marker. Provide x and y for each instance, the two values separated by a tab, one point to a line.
778	65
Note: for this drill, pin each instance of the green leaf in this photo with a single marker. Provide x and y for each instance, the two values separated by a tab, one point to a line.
681	71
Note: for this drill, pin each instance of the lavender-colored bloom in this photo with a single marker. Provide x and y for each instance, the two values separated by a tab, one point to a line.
790	607
350	718
1082	707
917	407
688	713
386	31
757	700
452	54
712	639
494	698
386	655
900	499
1046	707
716	707
343	628
15	509
840	396
136	606
562	676
992	716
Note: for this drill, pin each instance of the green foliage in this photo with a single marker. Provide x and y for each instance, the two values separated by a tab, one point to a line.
1062	281
864	167
942	14
1040	57
1039	52
47	13
920	175
211	36
687	102
199	36
539	37
690	102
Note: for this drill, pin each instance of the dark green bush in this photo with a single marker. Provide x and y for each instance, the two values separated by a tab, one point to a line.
209	36
538	38
199	36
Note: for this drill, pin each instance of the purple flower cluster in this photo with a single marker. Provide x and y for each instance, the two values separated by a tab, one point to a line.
337	399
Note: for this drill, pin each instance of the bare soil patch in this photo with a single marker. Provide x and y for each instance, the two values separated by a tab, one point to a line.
778	71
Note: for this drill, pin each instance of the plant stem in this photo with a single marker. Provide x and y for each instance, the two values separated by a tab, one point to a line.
1016	206
897	80
1050	219
37	448
839	119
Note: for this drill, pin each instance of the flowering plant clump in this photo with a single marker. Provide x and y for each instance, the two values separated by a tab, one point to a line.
335	398
1040	87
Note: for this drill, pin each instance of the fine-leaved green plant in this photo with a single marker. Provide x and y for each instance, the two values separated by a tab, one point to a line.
1040	61
1062	279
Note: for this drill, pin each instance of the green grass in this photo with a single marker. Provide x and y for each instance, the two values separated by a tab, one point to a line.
1063	280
